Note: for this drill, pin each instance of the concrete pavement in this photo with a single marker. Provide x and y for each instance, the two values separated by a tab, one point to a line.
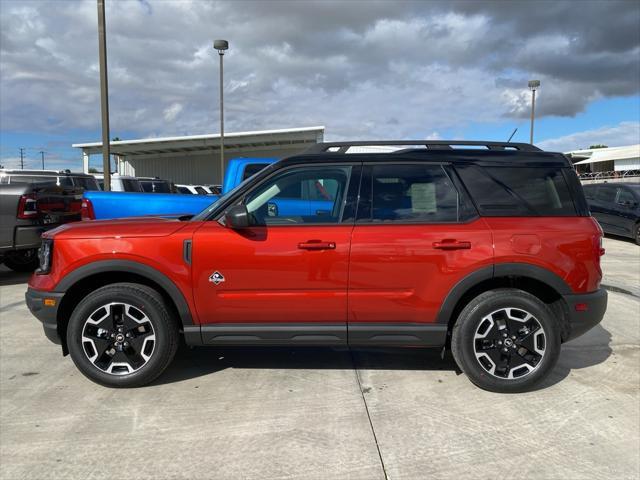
322	413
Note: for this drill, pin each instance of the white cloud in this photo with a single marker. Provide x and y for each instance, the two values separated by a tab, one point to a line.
625	133
172	112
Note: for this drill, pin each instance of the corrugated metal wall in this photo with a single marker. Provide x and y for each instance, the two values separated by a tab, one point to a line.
190	168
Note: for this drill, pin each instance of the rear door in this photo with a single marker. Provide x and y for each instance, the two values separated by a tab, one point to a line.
415	237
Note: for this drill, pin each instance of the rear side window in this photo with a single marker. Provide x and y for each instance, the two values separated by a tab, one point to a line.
252	168
411	193
86	182
518	191
131	185
606	193
589	191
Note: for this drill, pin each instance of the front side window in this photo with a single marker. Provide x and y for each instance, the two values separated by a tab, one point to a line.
412	193
300	195
606	194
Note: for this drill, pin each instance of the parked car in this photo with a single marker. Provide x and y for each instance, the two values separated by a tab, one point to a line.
106	205
62	178
616	206
192	189
120	183
490	251
155	185
26	211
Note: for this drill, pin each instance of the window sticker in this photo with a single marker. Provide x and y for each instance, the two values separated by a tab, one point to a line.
423	198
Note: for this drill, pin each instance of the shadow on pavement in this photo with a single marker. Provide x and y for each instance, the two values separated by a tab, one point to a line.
195	362
590	349
620	238
9	277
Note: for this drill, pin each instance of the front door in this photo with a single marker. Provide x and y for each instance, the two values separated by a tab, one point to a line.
285	278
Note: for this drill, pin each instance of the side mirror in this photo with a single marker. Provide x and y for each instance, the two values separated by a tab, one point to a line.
237	217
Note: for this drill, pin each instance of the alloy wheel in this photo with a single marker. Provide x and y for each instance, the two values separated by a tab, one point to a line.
118	338
509	343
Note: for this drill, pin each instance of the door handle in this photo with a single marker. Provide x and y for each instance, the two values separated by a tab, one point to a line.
449	244
317	245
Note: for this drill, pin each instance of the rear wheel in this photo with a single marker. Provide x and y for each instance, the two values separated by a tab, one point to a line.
22	260
122	335
506	340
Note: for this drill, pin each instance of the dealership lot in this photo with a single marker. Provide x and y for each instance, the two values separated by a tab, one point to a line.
323	413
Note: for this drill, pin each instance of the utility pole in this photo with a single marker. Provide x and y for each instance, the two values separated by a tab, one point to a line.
42	154
21	158
104	96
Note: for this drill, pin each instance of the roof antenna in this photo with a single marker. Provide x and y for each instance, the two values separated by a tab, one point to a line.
514	132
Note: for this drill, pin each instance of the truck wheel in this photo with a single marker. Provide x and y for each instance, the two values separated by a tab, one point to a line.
22	260
506	340
122	335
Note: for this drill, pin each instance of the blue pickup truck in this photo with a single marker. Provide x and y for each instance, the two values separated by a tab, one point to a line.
306	199
99	205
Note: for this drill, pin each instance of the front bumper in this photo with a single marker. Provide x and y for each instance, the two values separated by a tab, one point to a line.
585	311
47	312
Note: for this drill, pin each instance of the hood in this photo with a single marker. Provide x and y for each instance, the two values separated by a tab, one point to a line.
122	228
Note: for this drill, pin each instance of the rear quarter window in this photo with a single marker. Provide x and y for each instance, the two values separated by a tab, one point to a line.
518	191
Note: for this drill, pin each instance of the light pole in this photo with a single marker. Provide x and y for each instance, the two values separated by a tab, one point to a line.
533	86
221	46
104	96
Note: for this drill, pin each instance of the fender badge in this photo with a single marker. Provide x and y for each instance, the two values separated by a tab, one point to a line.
216	278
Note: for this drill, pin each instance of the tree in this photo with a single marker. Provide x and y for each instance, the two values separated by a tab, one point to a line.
598	145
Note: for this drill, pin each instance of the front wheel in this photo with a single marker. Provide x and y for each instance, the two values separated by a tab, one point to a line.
122	335
506	340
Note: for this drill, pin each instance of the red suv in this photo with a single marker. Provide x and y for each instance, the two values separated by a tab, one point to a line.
487	248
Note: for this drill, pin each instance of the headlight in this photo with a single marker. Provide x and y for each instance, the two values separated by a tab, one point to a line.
44	256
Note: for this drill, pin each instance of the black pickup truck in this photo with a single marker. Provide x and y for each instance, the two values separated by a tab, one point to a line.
27	210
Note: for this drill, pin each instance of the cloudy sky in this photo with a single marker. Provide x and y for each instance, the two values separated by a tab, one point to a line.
364	69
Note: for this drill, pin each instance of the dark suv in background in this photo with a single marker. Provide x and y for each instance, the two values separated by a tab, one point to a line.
616	206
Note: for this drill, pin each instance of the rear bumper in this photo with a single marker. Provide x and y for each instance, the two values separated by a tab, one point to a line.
585	311
47	314
29	236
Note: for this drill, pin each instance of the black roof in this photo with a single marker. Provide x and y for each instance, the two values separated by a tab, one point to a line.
450	151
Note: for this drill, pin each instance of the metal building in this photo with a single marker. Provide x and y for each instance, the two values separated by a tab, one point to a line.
195	159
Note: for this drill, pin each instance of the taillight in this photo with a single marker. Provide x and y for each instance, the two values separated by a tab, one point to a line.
86	210
27	206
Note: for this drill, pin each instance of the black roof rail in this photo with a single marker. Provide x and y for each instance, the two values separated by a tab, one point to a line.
343	147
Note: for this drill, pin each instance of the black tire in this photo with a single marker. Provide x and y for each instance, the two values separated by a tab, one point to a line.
637	234
159	331
492	369
22	260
